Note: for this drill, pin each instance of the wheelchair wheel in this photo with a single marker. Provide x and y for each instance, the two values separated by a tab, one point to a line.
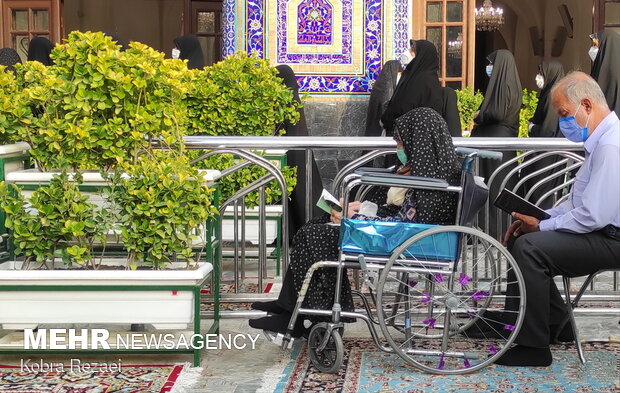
441	299
329	358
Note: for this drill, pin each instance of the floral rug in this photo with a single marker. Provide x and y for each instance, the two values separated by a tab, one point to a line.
129	379
366	369
249	287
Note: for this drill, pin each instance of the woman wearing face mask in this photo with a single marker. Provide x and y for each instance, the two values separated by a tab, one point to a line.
419	87
426	146
498	116
605	53
544	124
188	48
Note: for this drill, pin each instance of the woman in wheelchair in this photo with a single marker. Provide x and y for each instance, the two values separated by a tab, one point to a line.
425	148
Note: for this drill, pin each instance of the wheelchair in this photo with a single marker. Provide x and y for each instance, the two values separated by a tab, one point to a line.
440	289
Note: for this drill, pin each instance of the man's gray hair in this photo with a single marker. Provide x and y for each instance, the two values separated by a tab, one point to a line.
577	85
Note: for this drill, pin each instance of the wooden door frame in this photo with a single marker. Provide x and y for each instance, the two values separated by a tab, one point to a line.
191	7
55	21
598	13
469	35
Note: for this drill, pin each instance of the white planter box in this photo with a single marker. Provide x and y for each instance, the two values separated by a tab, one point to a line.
251	224
33	177
165	309
13	150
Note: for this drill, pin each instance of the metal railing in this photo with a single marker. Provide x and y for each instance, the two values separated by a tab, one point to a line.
237	200
382	145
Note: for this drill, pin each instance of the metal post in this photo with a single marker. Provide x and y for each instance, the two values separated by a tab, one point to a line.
243	239
309	201
262	239
236	243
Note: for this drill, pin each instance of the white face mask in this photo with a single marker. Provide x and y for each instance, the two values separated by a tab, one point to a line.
406	57
593	52
176	53
540	81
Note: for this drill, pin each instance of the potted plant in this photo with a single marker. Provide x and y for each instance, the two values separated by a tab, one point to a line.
468	102
96	106
13	154
530	101
157	208
91	120
242	96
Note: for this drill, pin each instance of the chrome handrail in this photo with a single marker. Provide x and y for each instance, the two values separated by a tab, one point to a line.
368	143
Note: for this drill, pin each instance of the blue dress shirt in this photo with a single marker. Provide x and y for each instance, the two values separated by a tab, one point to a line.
594	201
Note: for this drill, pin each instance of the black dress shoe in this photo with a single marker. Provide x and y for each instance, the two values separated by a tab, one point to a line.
270	307
278	323
566	335
521	356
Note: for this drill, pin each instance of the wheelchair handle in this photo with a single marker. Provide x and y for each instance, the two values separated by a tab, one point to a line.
493	155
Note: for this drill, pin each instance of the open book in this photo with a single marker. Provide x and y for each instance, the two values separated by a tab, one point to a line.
327	202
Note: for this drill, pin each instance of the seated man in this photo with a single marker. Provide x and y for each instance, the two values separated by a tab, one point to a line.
583	234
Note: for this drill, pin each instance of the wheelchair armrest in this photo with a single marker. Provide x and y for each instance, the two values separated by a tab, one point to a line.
405	181
369	171
489	154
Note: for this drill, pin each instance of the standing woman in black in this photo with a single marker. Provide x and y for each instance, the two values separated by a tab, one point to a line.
190	50
498	116
39	49
382	91
297	158
544	124
606	67
419	86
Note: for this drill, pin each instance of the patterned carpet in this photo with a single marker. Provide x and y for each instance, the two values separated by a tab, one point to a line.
249	287
130	379
243	288
366	369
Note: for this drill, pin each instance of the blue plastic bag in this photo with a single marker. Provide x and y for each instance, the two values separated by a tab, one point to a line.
383	237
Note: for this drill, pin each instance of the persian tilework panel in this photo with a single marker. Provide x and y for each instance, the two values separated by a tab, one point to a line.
334	46
401	19
315	23
254	20
289	49
228	47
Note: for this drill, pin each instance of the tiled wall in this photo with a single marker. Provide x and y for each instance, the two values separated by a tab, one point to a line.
334	46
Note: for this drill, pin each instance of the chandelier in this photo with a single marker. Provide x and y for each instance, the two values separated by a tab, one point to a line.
455	47
489	18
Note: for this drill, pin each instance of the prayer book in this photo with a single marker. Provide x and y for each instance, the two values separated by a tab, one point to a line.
327	202
510	202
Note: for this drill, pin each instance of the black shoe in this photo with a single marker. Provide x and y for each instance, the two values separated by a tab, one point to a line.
270	307
566	335
278	324
521	356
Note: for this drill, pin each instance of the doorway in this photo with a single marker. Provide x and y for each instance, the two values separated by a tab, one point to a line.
486	43
205	21
153	22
